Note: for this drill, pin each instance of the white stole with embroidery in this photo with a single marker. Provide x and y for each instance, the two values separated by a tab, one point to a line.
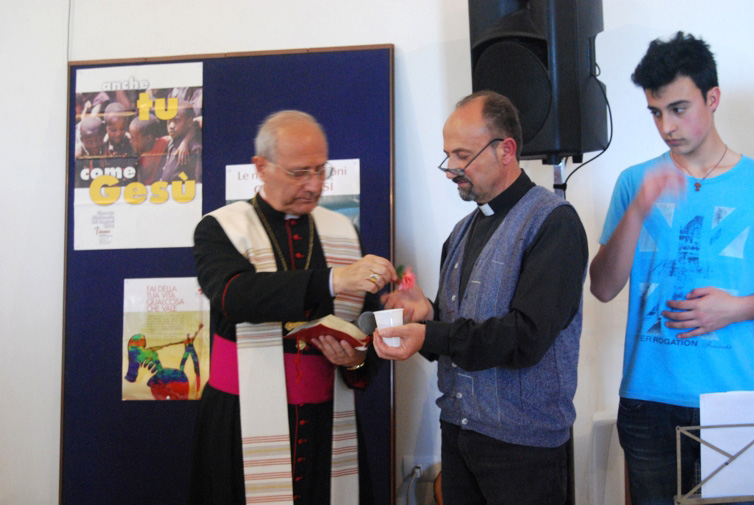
261	375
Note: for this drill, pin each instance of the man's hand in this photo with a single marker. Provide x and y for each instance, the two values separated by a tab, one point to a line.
412	339
339	352
666	180
371	273
416	307
706	310
611	267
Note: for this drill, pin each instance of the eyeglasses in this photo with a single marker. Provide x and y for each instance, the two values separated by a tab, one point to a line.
322	172
462	171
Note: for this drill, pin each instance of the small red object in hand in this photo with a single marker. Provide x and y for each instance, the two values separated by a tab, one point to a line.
407	279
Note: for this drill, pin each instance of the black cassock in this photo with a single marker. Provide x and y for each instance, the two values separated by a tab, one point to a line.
293	293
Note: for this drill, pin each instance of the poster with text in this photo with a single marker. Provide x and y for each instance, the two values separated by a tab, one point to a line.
165	339
138	156
339	193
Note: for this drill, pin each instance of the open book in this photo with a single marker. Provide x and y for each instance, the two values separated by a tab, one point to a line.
331	325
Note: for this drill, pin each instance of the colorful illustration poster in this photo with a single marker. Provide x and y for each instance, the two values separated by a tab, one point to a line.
165	339
138	156
340	192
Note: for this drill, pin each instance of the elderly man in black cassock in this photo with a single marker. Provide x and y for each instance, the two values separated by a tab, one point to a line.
276	421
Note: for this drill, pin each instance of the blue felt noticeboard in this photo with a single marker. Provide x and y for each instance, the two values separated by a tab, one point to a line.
138	452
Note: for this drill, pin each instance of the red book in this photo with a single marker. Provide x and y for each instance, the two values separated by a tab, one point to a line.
331	325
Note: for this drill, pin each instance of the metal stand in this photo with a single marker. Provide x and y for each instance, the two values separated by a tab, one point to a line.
693	497
559	169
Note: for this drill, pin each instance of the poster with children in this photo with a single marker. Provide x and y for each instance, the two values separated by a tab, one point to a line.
165	339
138	156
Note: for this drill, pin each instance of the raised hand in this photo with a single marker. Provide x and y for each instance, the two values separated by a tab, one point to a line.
416	307
371	273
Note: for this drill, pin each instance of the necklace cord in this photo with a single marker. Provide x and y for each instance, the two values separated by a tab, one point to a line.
698	183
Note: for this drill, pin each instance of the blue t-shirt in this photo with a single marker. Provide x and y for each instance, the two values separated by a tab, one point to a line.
699	239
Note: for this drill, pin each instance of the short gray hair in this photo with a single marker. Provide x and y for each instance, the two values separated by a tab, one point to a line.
265	143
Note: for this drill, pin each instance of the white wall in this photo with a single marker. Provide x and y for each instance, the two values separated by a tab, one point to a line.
32	205
431	73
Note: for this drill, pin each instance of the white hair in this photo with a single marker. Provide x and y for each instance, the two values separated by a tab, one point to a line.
265	143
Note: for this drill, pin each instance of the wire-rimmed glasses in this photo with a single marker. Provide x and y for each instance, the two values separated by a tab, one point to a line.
462	171
323	172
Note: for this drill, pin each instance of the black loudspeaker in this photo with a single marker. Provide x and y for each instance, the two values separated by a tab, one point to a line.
540	54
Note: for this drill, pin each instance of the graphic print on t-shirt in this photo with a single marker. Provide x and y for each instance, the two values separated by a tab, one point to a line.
684	265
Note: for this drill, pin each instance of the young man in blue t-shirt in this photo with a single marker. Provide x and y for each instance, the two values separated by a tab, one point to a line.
678	228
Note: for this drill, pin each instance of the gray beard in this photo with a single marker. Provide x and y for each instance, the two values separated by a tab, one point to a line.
468	194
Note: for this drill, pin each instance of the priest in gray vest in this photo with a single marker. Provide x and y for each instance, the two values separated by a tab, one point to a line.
506	321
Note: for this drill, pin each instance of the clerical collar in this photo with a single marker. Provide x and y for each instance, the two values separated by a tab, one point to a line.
508	198
269	209
486	209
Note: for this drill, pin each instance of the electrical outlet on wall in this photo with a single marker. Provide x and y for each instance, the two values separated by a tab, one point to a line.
429	465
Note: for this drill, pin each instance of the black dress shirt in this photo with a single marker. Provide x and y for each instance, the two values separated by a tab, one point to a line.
547	297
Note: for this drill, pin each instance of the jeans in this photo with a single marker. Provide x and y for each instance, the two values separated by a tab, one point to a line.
477	469
648	437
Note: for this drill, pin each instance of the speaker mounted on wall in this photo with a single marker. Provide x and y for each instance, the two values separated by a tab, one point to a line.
541	55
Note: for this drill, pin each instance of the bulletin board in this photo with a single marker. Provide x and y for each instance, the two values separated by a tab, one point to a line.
117	450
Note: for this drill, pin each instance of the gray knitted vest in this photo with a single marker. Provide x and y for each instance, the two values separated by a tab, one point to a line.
530	406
